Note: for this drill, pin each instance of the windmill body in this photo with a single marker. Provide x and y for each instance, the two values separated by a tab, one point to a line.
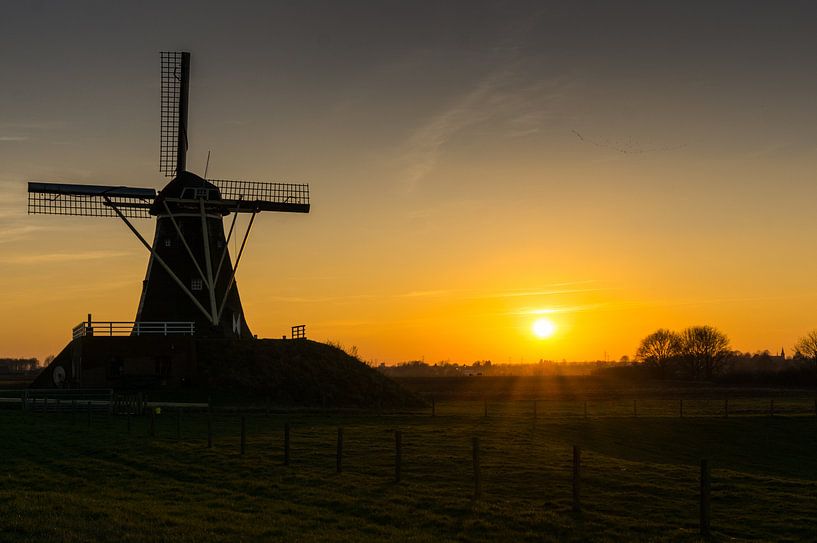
189	287
179	224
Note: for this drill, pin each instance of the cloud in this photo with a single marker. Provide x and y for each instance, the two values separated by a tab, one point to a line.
503	99
426	293
709	301
13	138
549	290
510	99
52	258
543	292
32	295
320	299
558	309
15	232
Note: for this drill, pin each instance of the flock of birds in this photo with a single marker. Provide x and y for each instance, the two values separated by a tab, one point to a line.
626	147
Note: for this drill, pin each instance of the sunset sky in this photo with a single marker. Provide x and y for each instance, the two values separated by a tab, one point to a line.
615	167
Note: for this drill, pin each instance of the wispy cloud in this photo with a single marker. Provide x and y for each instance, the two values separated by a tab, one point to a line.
14	232
503	99
321	299
86	290
709	301
426	293
552	289
52	258
559	288
507	99
558	309
19	131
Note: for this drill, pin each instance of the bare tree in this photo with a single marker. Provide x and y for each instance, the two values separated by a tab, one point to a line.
659	349
807	345
704	350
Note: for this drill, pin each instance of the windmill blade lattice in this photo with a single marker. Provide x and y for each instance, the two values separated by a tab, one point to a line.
249	196
173	138
89	200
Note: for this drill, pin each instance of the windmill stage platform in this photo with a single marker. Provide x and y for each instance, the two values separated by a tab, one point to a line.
124	356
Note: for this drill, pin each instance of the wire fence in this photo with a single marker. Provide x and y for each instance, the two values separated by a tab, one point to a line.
474	462
627	407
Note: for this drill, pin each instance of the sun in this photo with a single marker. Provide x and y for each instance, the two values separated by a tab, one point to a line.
543	328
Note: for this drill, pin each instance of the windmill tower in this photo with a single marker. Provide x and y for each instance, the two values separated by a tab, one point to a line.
190	275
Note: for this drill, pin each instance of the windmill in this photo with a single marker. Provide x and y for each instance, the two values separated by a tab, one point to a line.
190	277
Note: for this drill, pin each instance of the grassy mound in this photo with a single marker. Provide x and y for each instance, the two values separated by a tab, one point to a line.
297	372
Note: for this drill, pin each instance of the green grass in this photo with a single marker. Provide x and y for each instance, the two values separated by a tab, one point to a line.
62	480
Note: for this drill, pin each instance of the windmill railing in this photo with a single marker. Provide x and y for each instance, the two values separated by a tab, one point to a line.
133	328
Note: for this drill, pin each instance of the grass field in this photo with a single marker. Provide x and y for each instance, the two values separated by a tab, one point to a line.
66	480
575	387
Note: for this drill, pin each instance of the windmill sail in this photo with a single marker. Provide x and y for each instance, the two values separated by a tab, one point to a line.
253	196
88	200
173	138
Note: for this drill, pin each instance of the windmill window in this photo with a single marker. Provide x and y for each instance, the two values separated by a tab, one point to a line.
168	242
196	284
201	194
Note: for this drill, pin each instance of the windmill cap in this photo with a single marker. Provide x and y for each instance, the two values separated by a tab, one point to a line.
184	186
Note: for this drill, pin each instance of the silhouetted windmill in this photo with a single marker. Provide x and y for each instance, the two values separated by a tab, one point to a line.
190	276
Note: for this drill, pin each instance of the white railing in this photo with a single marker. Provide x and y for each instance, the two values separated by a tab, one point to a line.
138	328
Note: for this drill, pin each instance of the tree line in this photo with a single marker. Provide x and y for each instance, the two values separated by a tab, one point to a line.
704	352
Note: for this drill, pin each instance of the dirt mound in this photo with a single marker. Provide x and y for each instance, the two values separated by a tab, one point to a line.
297	372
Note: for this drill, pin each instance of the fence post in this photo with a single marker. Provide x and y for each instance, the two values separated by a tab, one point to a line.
45	404
179	424
681	407
705	501
209	431
771	407
286	443
585	409
577	471
128	417
152	422
635	408
535	413
25	400
477	477
726	407
89	413
398	454
73	411
243	434
434	406
485	407
339	461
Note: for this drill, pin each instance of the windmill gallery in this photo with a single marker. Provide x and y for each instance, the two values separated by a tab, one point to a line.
189	294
